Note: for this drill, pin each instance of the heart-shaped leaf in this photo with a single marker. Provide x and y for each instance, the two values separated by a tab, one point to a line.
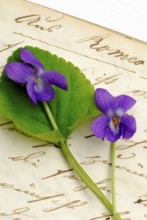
69	108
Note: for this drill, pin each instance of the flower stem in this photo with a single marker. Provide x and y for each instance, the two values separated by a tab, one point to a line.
84	176
113	179
50	116
77	167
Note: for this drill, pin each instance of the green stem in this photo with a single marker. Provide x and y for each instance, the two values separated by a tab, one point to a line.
50	116
77	167
113	180
84	176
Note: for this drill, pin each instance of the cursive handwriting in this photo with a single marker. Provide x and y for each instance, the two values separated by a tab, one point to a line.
139	164
18	211
107	79
91	160
34	20
48	144
59	172
108	216
143	77
120	156
29	158
131	171
131	144
71	51
69	205
9	46
27	192
138	92
44	198
142	200
104	188
96	159
90	70
90	136
96	45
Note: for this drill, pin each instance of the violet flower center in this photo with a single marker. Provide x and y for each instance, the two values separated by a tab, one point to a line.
116	120
114	123
37	80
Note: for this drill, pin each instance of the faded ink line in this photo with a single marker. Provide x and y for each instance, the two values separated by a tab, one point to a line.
83	55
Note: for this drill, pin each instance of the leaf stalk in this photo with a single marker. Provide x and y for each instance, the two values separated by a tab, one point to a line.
113	149
77	167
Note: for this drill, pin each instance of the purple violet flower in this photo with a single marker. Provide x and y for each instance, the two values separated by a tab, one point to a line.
32	73
114	122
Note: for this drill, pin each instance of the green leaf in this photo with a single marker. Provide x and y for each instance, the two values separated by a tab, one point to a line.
69	108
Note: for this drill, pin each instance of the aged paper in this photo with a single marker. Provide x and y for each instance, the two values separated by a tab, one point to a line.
112	14
36	182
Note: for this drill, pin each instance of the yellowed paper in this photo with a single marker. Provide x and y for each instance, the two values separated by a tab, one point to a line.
36	182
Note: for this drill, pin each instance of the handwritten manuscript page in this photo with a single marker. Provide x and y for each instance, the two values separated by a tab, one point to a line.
36	182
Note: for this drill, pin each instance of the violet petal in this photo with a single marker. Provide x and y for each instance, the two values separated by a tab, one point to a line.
129	126
122	103
19	72
44	92
29	58
103	100
55	78
111	135
99	126
30	90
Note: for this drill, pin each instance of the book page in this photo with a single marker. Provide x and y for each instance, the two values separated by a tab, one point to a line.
36	181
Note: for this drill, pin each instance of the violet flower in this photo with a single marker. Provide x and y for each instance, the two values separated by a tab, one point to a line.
114	122
32	73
